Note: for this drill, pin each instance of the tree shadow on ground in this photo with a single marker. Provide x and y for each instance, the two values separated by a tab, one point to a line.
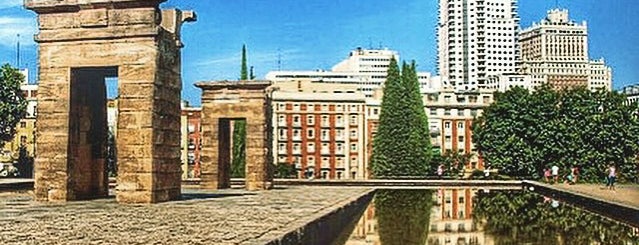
197	196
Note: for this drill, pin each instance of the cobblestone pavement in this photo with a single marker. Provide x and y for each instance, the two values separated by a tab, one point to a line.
222	217
625	194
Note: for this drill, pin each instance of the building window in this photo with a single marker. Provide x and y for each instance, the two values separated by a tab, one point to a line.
23	124
310	147
310	119
353	120
325	134
296	133
325	120
281	119
460	139
353	133
296	119
310	133
282	134
460	125
447	125
353	146
448	138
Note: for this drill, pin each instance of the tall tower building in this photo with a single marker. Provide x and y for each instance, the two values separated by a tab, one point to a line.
555	51
476	39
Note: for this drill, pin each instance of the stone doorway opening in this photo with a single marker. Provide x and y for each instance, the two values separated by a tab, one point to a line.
225	149
88	132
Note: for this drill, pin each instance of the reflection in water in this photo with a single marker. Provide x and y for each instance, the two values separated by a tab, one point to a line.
471	216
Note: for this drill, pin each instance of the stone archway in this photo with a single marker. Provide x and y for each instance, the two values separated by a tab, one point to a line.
81	43
223	102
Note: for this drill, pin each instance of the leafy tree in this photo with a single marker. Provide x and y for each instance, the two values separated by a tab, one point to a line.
13	105
523	133
402	144
239	132
285	170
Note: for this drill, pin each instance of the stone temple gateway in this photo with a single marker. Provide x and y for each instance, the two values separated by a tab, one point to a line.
82	42
223	102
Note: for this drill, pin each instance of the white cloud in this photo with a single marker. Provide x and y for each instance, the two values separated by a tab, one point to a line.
10	27
10	3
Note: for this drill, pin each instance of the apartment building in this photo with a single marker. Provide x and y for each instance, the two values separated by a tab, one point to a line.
364	68
476	39
191	117
555	51
319	128
450	118
632	93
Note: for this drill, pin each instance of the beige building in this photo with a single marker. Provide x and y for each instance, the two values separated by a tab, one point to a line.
555	51
364	68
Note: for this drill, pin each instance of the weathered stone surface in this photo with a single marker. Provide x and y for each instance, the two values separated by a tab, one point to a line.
81	43
222	217
240	100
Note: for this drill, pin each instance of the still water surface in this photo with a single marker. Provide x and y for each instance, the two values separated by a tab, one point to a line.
481	217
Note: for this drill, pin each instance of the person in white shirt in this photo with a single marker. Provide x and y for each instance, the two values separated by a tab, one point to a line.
555	173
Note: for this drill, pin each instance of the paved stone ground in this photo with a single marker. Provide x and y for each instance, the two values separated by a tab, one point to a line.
223	217
625	194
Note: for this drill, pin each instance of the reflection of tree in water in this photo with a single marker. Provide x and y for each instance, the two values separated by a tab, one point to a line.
403	216
517	218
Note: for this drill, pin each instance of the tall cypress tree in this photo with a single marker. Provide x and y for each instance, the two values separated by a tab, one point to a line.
239	132
402	144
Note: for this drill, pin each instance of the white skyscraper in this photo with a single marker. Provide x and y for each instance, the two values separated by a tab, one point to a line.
476	39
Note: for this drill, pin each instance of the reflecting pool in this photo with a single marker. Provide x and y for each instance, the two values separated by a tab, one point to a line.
476	217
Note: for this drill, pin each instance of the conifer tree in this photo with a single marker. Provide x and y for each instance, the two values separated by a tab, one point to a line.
402	144
239	132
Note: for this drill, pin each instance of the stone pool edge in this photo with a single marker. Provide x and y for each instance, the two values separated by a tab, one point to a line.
608	208
322	227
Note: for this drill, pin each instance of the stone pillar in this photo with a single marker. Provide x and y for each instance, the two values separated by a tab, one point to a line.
242	100
124	38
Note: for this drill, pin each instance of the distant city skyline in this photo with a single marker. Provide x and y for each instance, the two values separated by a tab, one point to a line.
317	34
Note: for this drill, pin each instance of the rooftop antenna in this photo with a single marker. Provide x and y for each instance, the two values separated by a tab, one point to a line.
18	52
279	60
370	43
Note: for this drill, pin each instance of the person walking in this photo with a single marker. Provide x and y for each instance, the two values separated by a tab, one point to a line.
547	175
612	177
555	173
440	171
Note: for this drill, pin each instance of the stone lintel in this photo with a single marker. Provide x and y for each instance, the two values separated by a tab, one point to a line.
235	85
62	6
87	34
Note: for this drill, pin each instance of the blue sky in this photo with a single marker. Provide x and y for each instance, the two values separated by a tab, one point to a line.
315	34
